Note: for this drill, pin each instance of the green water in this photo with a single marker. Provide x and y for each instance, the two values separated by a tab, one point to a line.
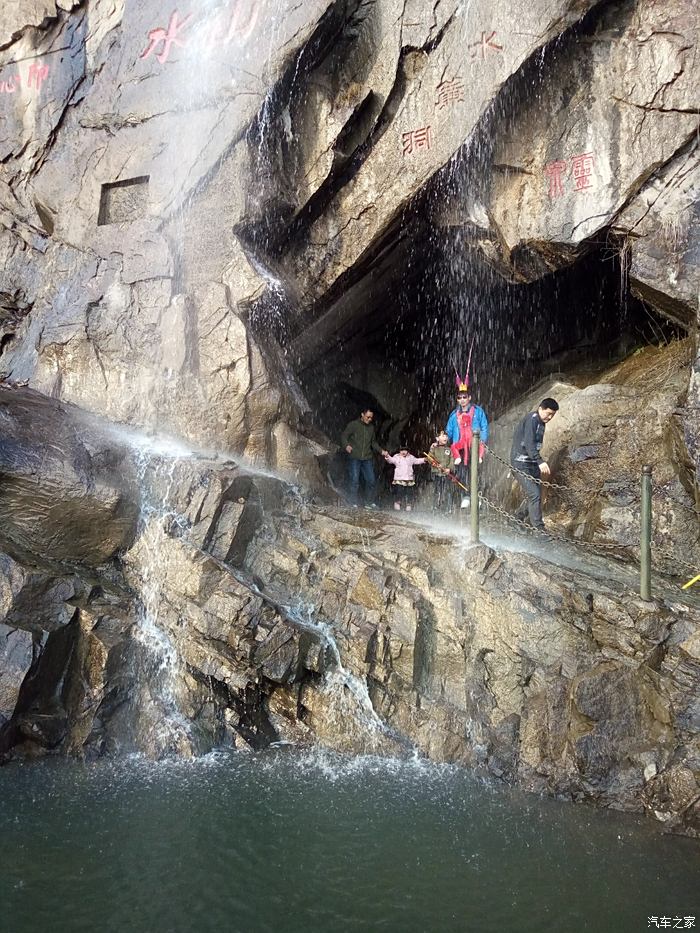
291	841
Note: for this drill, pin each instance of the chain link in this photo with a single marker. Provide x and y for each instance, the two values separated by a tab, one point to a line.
540	482
661	551
552	485
673	559
549	534
596	545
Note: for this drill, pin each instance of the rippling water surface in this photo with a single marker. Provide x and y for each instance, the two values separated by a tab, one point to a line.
290	841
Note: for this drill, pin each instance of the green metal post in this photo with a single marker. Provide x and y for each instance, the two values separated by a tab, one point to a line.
645	548
474	476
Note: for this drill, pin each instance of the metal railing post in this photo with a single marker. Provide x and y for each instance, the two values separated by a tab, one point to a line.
474	485
645	544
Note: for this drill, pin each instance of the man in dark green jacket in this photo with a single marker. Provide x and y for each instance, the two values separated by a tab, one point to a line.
359	442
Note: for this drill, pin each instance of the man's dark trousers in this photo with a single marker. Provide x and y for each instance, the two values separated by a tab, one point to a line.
366	468
532	490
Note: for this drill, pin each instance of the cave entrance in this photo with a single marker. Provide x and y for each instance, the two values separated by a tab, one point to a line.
392	341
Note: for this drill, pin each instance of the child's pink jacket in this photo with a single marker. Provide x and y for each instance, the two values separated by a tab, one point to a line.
403	466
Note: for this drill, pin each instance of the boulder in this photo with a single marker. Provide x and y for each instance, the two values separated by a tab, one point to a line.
68	490
602	435
15	660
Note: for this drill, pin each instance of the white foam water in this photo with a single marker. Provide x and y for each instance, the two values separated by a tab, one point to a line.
349	693
171	730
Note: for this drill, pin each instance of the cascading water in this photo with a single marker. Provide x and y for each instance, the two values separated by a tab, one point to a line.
168	730
349	697
162	715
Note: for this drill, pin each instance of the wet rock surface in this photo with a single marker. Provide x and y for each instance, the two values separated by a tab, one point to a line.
609	425
559	680
67	489
305	622
195	206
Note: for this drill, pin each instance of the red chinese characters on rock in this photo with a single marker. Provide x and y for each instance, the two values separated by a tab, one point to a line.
581	171
10	85
449	92
37	73
554	172
414	140
235	21
168	37
486	43
228	25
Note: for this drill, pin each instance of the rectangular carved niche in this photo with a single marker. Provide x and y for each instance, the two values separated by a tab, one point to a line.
123	201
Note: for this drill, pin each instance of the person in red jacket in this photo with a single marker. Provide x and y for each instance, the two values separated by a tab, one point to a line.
464	420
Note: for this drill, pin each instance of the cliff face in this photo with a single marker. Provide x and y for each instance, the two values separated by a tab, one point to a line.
244	614
196	206
158	162
606	144
201	211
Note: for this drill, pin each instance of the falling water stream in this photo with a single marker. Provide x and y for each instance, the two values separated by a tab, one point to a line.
350	699
170	731
156	465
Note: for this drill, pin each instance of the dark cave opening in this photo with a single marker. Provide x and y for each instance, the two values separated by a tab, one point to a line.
393	341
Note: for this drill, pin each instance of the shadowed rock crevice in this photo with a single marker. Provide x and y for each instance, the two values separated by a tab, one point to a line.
393	343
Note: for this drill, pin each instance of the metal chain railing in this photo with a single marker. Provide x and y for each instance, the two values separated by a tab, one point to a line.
645	544
539	481
673	558
551	535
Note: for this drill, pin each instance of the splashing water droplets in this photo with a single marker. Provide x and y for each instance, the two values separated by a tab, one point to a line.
350	699
170	730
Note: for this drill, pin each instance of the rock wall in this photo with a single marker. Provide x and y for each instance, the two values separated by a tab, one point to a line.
609	425
560	680
163	236
606	139
126	288
244	614
192	205
107	141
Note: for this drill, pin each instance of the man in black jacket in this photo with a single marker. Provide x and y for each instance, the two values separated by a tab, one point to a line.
525	456
359	443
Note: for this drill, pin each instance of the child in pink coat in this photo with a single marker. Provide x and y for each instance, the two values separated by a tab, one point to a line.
404	482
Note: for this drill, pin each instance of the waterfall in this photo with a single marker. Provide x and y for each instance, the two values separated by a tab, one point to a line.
160	714
350	705
165	728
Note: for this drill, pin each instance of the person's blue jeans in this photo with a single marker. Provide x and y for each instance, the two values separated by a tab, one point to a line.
366	469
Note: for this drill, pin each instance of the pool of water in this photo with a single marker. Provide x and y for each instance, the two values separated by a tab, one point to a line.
309	841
